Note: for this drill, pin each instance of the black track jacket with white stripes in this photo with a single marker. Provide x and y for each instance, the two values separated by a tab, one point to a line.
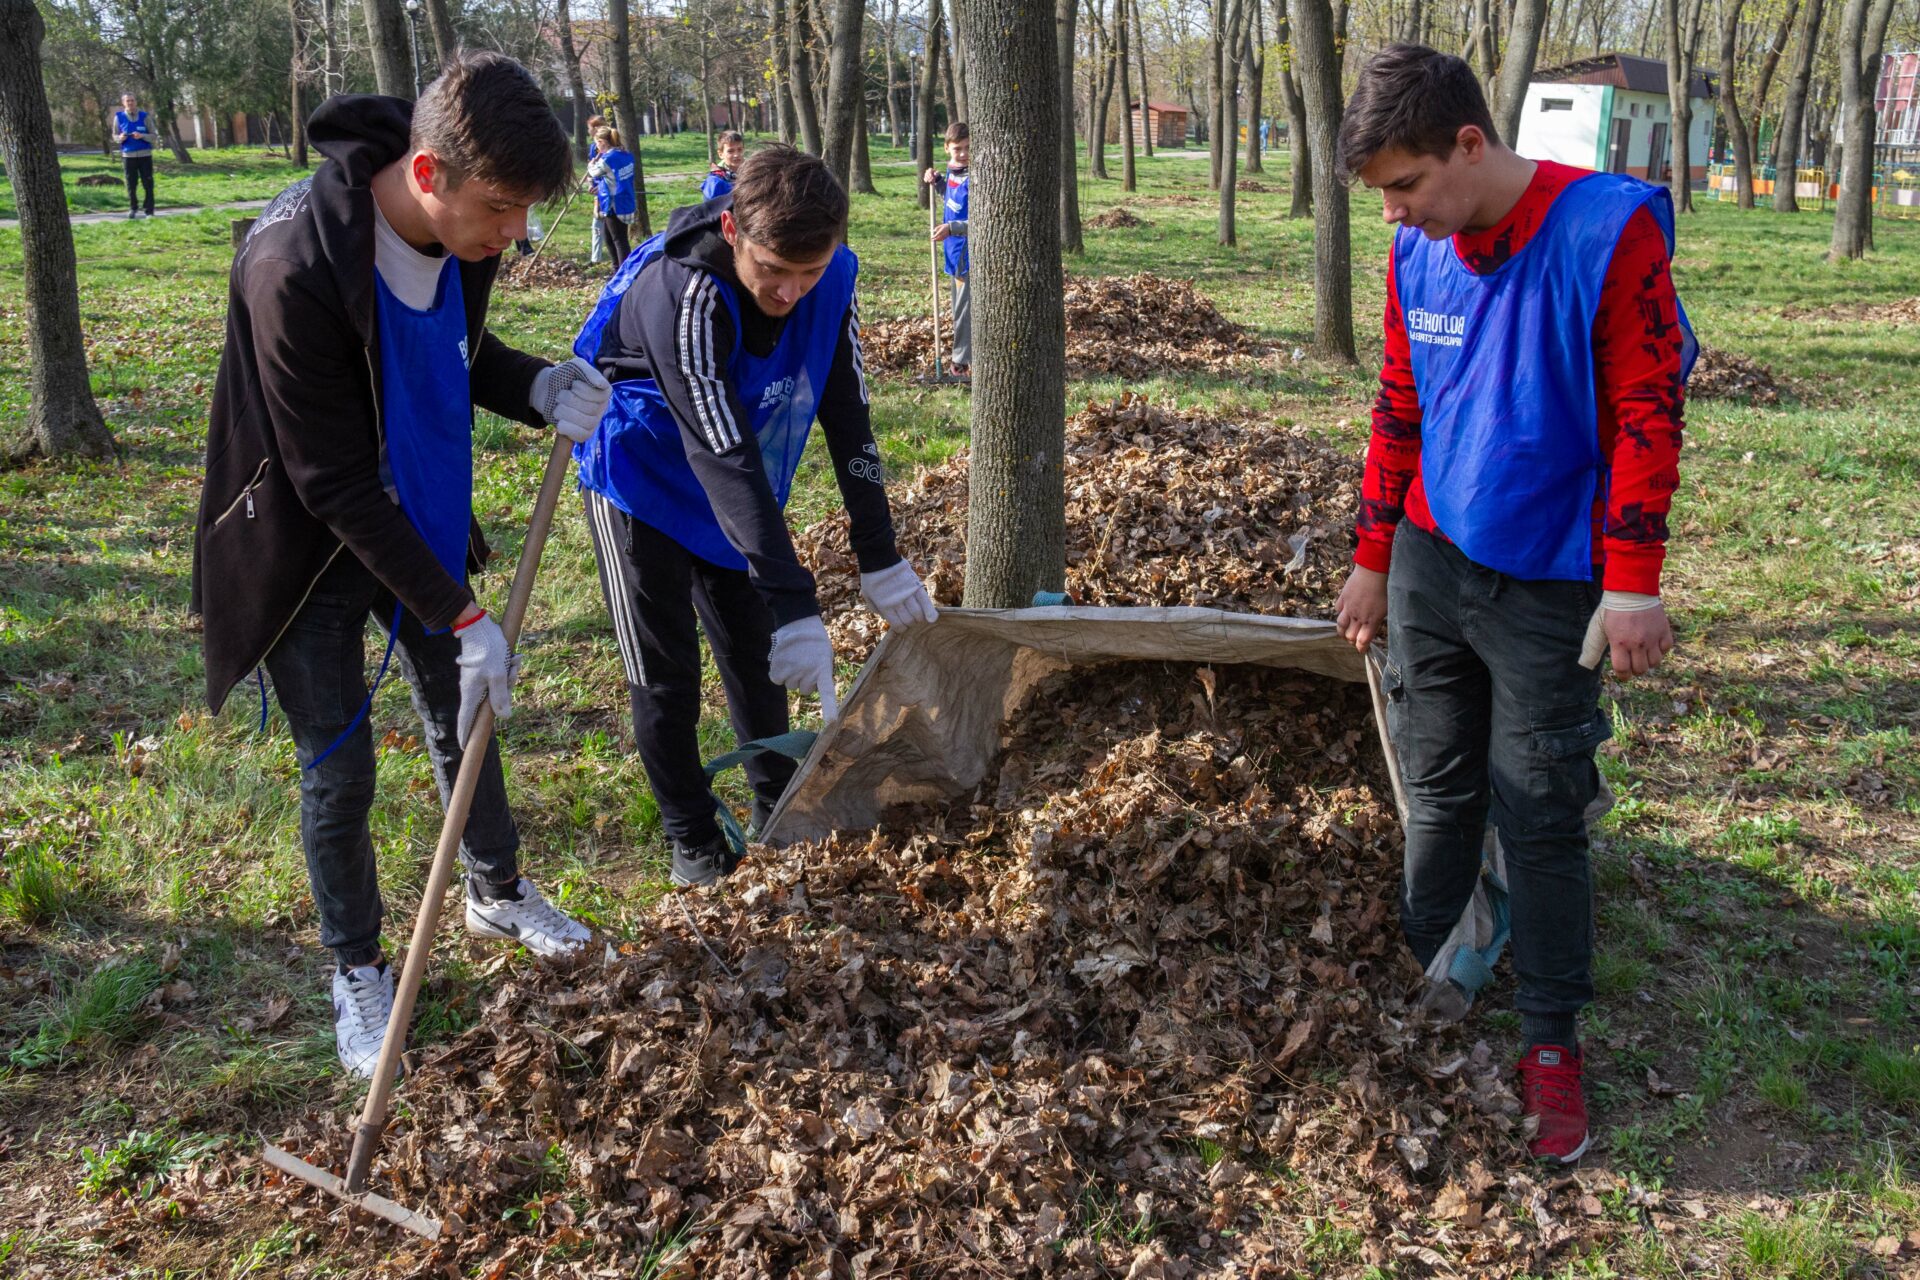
647	339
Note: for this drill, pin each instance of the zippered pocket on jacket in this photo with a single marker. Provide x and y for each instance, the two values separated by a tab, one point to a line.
245	500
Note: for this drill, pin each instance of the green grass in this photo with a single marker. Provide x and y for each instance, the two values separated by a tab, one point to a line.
1759	886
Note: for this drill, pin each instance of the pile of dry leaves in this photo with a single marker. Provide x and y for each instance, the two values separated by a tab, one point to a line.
1894	315
1253	186
1134	1007
1117	218
1137	326
1164	507
1722	375
547	271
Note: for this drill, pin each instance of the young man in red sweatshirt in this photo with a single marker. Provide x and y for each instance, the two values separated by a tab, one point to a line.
1513	517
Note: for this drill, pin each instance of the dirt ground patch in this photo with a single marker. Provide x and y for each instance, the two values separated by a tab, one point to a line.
1163	508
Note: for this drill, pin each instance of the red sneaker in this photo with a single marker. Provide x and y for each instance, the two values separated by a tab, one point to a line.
1550	1091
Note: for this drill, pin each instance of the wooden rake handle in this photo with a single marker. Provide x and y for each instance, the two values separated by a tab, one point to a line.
373	1117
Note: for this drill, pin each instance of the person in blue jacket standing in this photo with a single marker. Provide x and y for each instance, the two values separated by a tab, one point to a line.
725	337
952	233
613	195
719	180
133	133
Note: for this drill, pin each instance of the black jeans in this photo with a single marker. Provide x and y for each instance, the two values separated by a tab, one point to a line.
1493	715
654	587
139	170
319	677
615	230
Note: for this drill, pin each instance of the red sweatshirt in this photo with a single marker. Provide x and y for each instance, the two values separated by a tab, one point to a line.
1636	350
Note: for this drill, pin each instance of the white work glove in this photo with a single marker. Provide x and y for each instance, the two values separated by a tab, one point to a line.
1596	645
802	660
897	595
572	396
487	671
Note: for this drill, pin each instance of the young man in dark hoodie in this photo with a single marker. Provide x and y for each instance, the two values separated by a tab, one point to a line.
340	475
725	336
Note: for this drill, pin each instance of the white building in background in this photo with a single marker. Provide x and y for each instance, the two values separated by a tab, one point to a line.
1611	113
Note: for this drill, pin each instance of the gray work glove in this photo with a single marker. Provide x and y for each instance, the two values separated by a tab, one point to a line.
802	660
487	672
572	396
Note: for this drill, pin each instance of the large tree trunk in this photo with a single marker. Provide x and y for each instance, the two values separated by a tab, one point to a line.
1216	110
1737	135
1516	69
1016	506
1299	152
1332	244
387	45
1786	143
576	84
845	77
959	64
1679	109
1230	99
446	41
625	113
778	68
1255	46
929	87
1757	110
1863	33
862	183
62	418
1140	47
800	70
1120	26
1065	15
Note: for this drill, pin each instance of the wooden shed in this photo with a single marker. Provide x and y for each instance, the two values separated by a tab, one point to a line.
1167	119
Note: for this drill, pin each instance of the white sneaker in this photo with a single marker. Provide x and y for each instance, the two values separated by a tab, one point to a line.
361	1007
526	918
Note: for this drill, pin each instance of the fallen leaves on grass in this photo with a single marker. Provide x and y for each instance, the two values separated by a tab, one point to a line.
1894	315
1117	218
1077	1022
1722	375
546	272
1163	508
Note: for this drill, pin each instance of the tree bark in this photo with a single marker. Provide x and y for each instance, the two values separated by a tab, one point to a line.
1679	110
1065	17
929	86
1256	64
1120	26
959	64
862	179
779	68
297	143
1299	152
1140	46
1097	109
893	95
1230	109
387	45
446	41
1777	46
800	70
62	418
1863	33
1016	507
1737	134
1516	69
1332	233
576	84
845	84
1786	143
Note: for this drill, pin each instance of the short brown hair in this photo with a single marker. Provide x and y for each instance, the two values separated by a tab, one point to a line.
1411	98
730	135
790	202
485	118
957	131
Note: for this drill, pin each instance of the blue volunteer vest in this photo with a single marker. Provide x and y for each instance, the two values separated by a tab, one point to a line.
122	123
956	246
637	460
1503	365
718	183
426	406
619	199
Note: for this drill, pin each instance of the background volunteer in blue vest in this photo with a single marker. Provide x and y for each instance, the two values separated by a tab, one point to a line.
340	478
613	196
133	133
1512	521
598	249
952	187
725	336
719	180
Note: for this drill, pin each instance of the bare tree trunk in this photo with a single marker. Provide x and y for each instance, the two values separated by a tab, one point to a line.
1737	134
929	86
893	96
845	87
1097	109
961	63
446	41
297	144
62	417
1120	26
1758	110
1299	151
800	64
1146	109
1786	143
1230	99
1516	69
387	44
1016	507
1332	235
1679	110
576	84
1481	50
626	116
1256	64
1065	16
1863	33
950	79
862	179
778	39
